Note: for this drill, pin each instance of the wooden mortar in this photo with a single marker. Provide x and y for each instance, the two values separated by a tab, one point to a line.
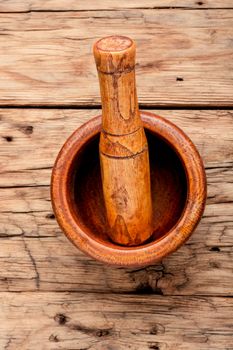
178	193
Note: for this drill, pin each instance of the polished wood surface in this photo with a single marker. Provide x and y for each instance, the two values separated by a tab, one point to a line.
169	188
123	148
188	203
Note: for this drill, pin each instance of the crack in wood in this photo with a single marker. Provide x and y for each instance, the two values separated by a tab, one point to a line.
37	276
134	155
23	186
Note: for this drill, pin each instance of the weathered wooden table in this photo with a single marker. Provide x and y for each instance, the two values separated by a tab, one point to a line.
52	296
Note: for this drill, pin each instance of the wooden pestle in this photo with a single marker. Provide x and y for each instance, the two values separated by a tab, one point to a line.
123	146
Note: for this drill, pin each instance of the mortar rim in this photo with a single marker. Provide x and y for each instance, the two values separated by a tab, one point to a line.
151	252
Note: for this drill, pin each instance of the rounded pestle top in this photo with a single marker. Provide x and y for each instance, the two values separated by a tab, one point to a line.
115	54
114	43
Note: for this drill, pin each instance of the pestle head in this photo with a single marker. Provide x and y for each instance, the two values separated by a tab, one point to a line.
114	43
114	54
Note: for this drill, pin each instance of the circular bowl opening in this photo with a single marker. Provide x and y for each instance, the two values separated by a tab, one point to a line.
178	193
168	185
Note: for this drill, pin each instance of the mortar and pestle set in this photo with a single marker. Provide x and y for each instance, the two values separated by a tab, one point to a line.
128	187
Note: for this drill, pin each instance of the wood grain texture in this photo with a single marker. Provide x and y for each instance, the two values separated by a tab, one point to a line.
36	255
92	5
114	322
47	56
40	133
46	60
123	148
178	187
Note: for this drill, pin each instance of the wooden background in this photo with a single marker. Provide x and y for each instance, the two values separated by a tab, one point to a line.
52	296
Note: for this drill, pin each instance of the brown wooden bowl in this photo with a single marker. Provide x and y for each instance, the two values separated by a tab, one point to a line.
178	189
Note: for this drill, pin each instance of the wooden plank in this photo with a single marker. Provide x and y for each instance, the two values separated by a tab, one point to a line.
36	136
184	57
72	5
91	321
34	253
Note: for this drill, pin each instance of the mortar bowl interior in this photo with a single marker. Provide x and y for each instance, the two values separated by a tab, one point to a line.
168	186
79	204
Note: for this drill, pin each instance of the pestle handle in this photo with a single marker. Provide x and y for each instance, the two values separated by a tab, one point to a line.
123	146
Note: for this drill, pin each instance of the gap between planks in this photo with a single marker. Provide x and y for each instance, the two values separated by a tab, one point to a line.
120	293
141	107
120	9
